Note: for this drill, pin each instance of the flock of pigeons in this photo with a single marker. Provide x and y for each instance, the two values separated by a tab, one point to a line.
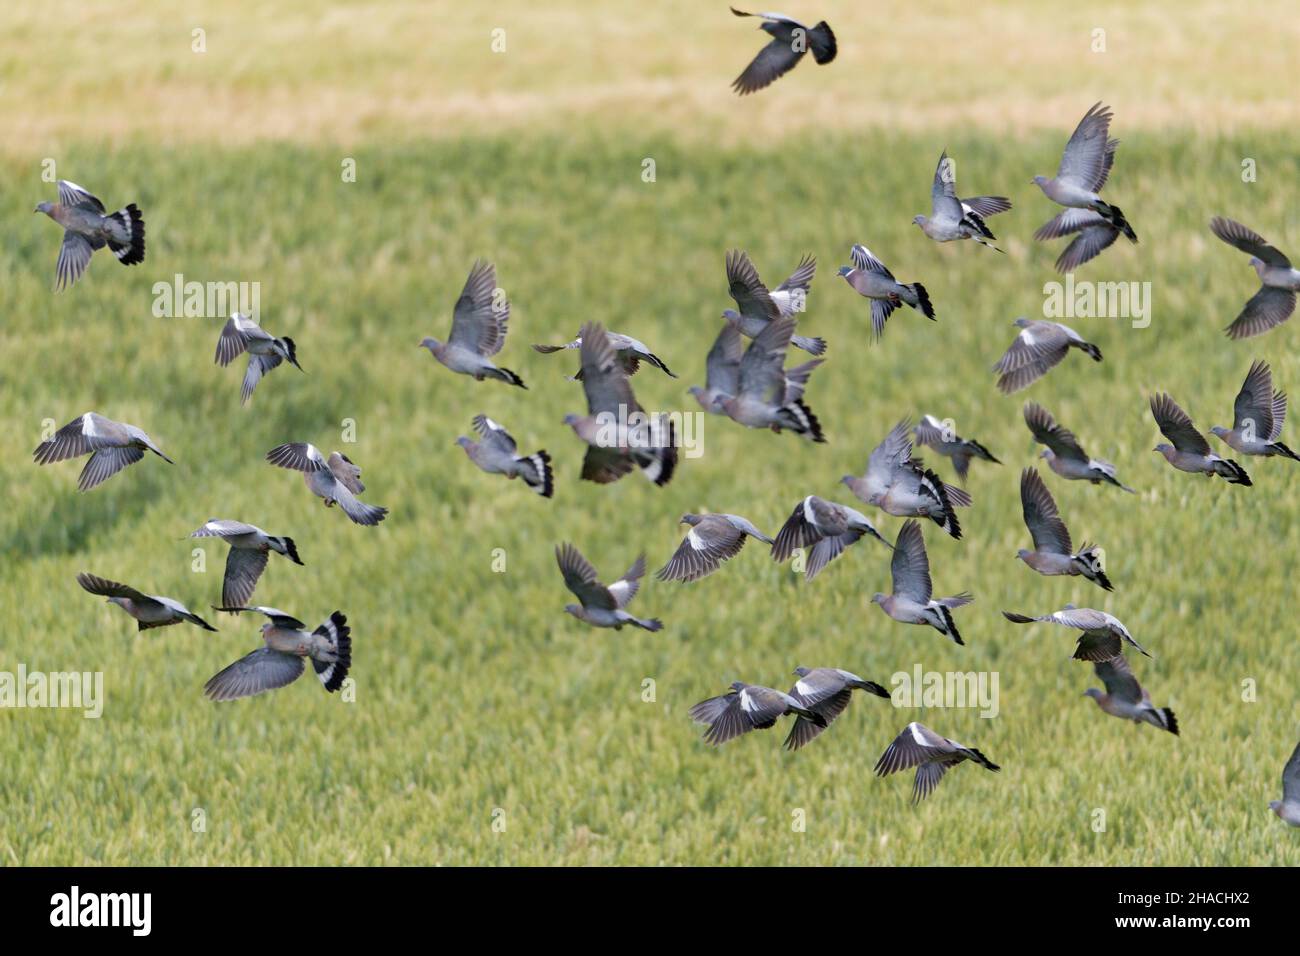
752	386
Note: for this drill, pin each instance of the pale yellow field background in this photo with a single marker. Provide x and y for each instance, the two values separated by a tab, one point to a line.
346	72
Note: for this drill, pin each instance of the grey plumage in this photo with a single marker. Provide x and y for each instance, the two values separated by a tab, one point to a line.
933	433
824	527
951	218
759	307
87	227
769	395
747	707
1124	697
1040	347
149	610
618	433
250	548
1279	280
478	329
265	352
711	540
932	755
631	352
1288	808
910	601
111	446
601	605
1103	637
280	662
722	370
1053	551
826	692
336	480
1064	455
1258	414
791	41
869	278
901	485
1190	450
495	454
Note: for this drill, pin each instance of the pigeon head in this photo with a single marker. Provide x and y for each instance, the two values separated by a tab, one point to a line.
845	271
1021	322
1275	806
1163	448
464	442
691	519
1219	430
45	207
731	315
574	609
738	685
1047	454
1093	693
571	420
801	671
1023	554
1039	181
877	598
430	344
919	220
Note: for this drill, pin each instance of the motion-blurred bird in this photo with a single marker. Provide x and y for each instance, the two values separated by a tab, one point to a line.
149	610
910	602
87	226
495	454
869	278
1040	347
769	395
631	352
901	485
722	370
791	40
265	351
1124	696
954	219
1288	808
747	707
826	528
335	480
602	606
1085	166
1103	637
1258	415
1190	450
478	329
937	434
280	661
250	548
1279	280
826	692
712	539
618	433
1053	552
759	307
1064	455
111	446
932	755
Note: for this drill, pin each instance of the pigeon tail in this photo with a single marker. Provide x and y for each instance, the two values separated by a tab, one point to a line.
1090	560
654	624
540	478
1170	721
127	242
799	418
331	673
1232	472
290	550
811	346
1280	449
507	376
1115	216
822	41
922	300
982	760
949	625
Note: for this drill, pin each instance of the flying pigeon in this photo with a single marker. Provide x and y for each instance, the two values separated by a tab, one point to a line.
1053	552
1064	454
826	691
265	351
335	481
901	485
825	527
934	433
920	747
149	610
478	329
1085	165
1258	415
280	662
870	279
722	370
953	219
769	395
602	606
759	307
910	602
631	353
495	454
1190	450
1040	347
747	707
250	547
1124	696
1288	808
790	41
111	446
1279	281
1103	637
618	433
713	538
87	227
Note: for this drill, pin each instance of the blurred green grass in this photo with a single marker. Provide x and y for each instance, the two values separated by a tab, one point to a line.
474	691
